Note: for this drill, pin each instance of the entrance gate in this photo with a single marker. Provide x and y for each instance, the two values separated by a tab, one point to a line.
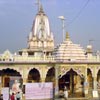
73	82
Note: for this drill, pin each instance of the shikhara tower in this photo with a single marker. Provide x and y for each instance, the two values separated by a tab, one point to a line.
40	39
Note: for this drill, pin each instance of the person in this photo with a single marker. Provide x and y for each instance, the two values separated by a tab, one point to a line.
65	93
12	97
1	97
15	87
18	96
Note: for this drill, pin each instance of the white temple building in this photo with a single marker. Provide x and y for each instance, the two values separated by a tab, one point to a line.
68	64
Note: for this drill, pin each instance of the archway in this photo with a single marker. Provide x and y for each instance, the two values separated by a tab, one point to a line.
6	74
98	80
34	75
90	79
73	82
98	76
50	77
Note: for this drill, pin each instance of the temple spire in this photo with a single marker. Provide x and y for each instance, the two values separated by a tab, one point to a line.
40	37
67	36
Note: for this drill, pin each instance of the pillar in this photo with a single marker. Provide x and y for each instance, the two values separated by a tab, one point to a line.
94	83
94	79
42	79
56	80
95	92
25	75
86	84
43	72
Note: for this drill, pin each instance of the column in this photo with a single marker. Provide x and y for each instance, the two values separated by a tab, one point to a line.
86	84
25	75
24	81
42	79
94	79
95	83
95	91
43	72
56	80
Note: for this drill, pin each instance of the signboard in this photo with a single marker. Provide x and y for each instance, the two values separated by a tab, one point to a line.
95	94
38	91
5	92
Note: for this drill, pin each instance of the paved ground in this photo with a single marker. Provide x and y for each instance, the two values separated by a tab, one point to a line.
77	99
71	99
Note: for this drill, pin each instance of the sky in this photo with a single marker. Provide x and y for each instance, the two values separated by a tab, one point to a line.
82	21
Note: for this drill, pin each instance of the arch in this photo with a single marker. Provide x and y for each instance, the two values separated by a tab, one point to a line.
64	70
91	70
10	72
74	83
90	78
34	75
15	69
50	76
6	74
98	76
98	80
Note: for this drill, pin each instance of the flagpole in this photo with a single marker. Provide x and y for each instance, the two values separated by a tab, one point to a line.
63	25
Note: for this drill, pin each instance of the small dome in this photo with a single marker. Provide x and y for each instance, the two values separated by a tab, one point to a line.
89	48
69	51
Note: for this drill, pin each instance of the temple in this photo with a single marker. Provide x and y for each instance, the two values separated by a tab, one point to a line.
68	64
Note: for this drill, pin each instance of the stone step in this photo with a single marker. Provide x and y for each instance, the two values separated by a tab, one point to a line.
72	99
77	99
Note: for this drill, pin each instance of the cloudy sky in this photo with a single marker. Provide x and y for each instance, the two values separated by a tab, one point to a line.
82	21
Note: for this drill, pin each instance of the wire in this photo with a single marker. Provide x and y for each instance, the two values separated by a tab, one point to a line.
79	12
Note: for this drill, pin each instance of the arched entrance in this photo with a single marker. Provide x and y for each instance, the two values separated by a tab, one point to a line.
6	74
98	76
90	79
34	75
50	77
73	82
98	80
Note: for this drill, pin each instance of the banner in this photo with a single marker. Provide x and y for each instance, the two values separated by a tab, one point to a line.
38	91
5	92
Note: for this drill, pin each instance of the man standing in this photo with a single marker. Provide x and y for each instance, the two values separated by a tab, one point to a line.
18	96
65	93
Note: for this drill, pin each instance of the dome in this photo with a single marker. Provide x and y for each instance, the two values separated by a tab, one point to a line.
68	51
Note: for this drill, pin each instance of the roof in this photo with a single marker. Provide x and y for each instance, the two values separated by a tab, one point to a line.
69	51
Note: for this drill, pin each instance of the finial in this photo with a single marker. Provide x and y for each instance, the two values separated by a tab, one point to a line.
67	36
41	8
38	4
